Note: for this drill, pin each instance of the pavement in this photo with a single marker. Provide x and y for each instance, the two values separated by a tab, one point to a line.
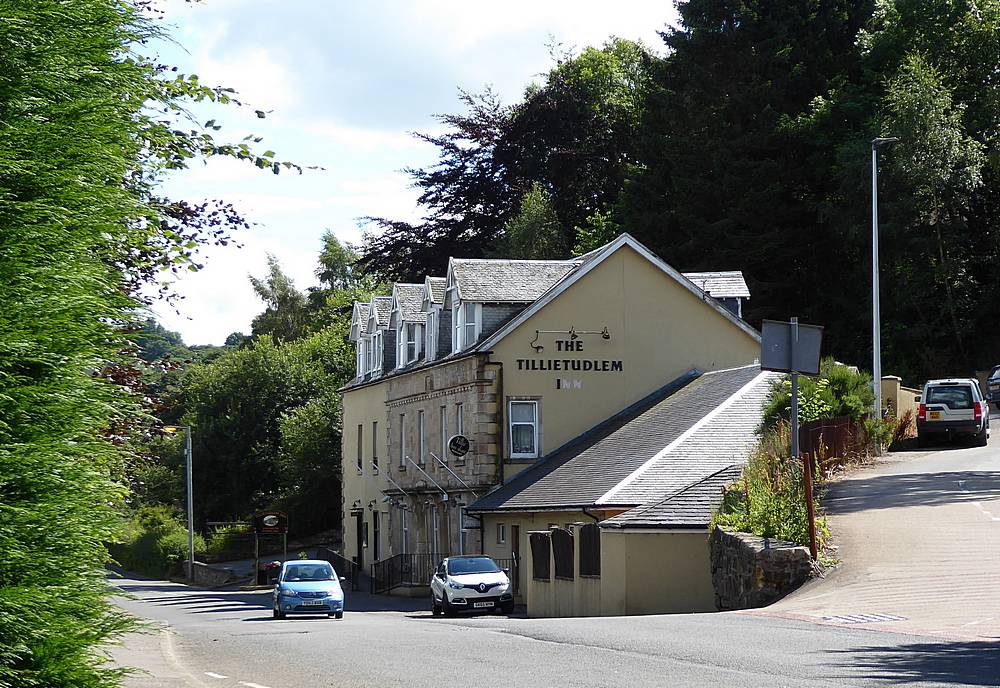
918	537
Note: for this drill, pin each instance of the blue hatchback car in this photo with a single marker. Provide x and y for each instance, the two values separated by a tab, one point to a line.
307	586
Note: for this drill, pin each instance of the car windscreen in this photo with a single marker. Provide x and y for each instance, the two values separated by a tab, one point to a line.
309	572
952	397
995	374
457	567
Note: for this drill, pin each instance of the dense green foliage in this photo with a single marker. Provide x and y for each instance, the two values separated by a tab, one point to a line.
264	410
267	430
574	134
87	128
837	391
747	146
155	542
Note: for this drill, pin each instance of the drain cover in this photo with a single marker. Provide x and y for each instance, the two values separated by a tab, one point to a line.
863	618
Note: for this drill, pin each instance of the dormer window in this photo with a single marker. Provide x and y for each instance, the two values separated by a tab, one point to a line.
410	343
468	324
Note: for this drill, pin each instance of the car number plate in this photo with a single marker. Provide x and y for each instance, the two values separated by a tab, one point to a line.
935	415
311	603
482	604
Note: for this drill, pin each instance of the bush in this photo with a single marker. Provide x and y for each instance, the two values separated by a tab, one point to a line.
769	498
838	391
156	542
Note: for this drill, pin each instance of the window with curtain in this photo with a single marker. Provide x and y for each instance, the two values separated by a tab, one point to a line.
523	429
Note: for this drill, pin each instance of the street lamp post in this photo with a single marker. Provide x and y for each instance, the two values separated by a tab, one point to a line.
188	483
876	326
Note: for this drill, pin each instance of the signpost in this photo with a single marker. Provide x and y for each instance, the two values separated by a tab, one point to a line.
269	523
794	348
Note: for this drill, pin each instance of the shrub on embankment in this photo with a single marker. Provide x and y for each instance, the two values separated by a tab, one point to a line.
155	542
769	498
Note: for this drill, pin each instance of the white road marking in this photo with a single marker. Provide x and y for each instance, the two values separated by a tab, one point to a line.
251	685
212	674
170	652
978	505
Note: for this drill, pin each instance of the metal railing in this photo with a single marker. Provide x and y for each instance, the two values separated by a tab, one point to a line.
342	565
417	569
404	569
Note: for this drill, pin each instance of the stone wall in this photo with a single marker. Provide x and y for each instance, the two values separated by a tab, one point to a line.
209	576
750	571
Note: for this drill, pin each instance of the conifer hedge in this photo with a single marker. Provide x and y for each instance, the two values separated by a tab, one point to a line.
84	135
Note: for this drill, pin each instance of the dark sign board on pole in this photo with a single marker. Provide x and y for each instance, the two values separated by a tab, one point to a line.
786	351
270	523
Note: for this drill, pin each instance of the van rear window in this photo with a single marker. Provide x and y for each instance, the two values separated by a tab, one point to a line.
952	397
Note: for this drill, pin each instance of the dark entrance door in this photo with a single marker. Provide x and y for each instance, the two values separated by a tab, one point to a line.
359	521
515	556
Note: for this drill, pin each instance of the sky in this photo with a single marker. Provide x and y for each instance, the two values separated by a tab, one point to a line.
344	84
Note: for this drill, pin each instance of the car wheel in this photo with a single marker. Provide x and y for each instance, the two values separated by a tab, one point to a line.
982	439
507	608
435	607
922	441
339	615
446	607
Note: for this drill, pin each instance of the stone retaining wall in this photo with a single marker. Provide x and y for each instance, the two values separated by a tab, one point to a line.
750	571
210	576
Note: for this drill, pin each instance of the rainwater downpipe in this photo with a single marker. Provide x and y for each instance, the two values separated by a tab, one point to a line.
596	519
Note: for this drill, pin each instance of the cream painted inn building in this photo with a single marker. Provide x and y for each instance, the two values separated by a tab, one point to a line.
583	390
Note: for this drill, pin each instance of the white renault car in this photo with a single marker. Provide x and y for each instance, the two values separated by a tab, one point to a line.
951	407
473	583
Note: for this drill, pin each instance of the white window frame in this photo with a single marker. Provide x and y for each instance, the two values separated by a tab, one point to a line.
501	533
402	440
534	424
360	362
377	352
456	331
375	444
409	334
431	333
421	445
459	419
461	324
475	323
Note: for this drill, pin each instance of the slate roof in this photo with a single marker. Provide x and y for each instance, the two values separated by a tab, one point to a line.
510	281
691	507
383	306
581	472
410	300
721	285
362	310
436	287
721	440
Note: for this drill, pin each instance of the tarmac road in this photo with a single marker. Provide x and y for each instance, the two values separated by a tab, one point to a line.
919	538
228	640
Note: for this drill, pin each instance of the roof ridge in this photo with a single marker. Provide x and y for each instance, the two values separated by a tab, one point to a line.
530	261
